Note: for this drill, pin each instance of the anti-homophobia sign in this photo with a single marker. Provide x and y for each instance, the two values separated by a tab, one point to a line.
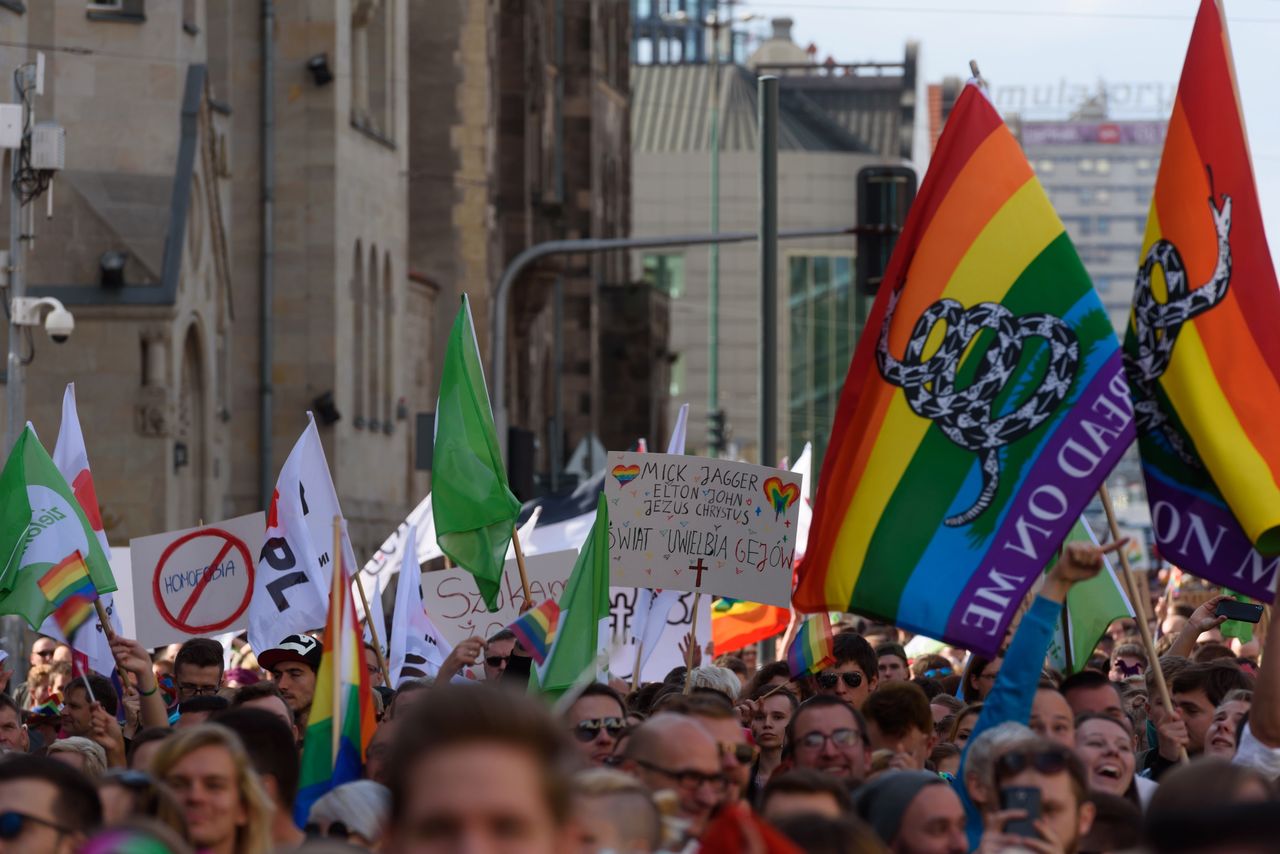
195	582
716	526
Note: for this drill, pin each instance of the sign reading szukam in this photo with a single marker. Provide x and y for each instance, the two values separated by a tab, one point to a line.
716	526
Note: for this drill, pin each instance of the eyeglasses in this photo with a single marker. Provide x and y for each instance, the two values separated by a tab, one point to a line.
688	779
46	653
336	830
1045	762
937	672
840	738
827	680
743	754
587	730
12	824
496	660
197	690
135	780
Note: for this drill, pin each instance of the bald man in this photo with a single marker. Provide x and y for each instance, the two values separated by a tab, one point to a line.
677	753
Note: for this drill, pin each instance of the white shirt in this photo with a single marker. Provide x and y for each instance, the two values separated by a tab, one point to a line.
1254	754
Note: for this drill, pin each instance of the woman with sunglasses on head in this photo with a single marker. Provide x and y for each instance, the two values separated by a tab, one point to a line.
597	721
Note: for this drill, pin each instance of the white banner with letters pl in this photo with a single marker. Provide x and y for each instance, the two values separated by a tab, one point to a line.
690	523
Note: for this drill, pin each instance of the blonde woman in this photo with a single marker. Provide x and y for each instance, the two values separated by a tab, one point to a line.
226	808
82	754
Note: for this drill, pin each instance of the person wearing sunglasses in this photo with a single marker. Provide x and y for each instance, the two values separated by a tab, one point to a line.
1065	813
829	735
854	675
497	651
737	754
675	752
46	807
597	720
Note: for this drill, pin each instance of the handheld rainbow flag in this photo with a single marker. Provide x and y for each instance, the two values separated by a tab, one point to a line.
50	708
342	718
813	647
983	407
1201	352
536	629
70	589
736	624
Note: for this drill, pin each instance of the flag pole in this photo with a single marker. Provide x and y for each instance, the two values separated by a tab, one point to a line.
693	645
524	575
335	589
1140	610
105	622
373	630
635	674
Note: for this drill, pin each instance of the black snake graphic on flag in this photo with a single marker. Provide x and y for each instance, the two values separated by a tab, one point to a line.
965	415
1156	324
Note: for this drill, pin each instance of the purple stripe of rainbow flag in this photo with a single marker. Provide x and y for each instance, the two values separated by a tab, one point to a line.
536	629
813	647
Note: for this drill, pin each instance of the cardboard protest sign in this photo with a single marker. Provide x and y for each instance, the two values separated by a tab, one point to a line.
453	603
714	526
196	582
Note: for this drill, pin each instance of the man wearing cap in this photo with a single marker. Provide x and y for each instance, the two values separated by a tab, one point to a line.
293	665
914	812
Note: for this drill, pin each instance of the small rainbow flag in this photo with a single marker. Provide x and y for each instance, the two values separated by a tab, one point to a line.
68	586
50	708
536	629
1201	349
985	404
813	647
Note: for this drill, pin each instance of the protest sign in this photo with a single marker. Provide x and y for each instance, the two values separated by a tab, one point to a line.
714	526
195	582
453	603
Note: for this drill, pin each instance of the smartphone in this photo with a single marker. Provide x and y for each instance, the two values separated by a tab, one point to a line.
1245	612
1026	798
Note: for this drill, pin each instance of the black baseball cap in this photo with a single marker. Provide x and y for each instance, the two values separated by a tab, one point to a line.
303	649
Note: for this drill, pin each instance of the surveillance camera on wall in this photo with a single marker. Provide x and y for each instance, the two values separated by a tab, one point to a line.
58	323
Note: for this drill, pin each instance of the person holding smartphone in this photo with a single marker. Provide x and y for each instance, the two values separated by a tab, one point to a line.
1043	805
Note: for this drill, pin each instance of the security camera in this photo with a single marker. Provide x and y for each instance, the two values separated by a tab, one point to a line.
58	323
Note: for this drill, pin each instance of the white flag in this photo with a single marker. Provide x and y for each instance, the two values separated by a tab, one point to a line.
291	587
72	460
804	468
417	647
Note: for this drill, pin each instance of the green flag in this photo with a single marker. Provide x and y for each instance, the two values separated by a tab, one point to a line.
1091	606
584	612
474	509
41	526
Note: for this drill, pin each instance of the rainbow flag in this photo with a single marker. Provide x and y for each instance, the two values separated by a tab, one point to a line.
813	647
1201	351
342	718
536	629
50	708
69	588
983	407
736	624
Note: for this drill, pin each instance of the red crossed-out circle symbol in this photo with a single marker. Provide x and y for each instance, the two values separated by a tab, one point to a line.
182	620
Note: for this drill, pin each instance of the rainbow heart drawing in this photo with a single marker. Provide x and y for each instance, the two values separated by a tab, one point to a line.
626	474
780	495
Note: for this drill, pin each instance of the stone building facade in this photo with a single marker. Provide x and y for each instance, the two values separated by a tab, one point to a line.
163	106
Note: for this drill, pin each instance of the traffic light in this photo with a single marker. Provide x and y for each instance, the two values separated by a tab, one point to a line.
885	194
715	431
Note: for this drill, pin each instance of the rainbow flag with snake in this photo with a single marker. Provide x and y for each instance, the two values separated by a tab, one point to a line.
1202	352
983	407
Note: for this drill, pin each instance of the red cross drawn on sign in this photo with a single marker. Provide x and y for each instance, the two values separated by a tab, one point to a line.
182	620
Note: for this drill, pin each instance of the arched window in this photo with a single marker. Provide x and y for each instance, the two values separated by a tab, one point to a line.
388	337
374	305
357	338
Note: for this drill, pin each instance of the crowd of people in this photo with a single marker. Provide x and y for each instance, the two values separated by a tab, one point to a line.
875	752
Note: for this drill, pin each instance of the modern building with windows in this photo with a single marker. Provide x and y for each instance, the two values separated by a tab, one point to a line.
834	120
1099	175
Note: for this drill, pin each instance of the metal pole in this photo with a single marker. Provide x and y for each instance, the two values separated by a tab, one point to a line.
768	120
589	246
713	277
15	383
266	463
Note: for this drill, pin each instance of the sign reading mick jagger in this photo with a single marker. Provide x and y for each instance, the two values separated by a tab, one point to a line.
1201	352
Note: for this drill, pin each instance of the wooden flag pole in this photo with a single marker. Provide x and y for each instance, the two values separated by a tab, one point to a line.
373	631
635	674
336	585
775	689
524	575
1131	585
693	645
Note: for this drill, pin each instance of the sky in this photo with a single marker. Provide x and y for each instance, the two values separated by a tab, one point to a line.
1042	43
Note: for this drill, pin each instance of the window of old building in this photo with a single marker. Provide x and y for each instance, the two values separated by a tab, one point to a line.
373	307
357	338
372	54
388	315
